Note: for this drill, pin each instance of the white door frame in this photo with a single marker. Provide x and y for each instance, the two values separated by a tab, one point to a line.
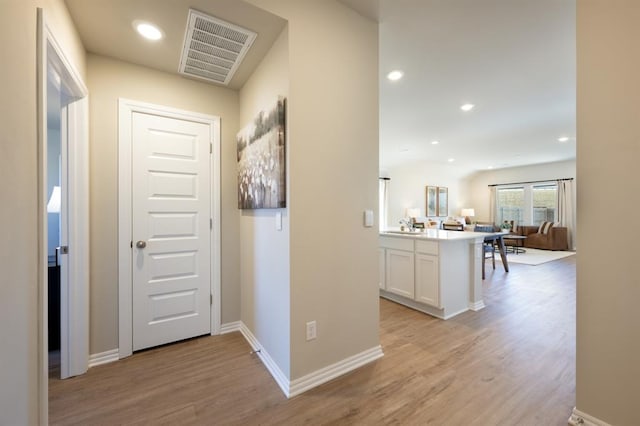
74	327
126	108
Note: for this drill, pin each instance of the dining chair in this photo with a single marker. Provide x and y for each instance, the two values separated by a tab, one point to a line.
489	249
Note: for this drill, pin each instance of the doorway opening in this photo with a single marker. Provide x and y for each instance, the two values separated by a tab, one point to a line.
63	215
54	215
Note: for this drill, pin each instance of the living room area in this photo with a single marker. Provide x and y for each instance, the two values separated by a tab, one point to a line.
525	197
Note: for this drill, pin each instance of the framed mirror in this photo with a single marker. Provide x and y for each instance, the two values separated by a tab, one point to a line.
437	201
432	196
443	201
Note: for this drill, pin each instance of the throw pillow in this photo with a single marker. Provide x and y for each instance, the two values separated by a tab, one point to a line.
544	227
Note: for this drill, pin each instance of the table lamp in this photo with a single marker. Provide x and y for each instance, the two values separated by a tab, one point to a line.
468	214
413	213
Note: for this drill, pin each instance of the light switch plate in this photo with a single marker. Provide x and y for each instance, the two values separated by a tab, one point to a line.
278	221
368	218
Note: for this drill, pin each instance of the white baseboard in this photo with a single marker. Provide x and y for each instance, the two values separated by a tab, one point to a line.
332	371
578	418
268	362
476	306
311	380
230	327
103	357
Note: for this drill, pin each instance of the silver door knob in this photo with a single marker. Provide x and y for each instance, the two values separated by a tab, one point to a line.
141	244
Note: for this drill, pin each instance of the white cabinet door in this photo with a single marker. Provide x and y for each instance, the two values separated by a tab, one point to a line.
399	273
427	286
381	267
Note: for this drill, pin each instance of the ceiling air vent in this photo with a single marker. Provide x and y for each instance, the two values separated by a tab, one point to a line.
213	49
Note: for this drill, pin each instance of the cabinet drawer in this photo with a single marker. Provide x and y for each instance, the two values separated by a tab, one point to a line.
396	243
427	247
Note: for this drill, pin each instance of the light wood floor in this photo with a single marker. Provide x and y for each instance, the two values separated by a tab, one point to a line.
509	364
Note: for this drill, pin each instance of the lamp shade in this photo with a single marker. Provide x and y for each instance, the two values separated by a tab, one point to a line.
467	212
413	212
53	206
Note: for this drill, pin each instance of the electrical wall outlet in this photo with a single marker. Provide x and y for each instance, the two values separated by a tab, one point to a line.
311	330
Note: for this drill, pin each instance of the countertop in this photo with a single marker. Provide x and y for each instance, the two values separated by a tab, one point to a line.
433	234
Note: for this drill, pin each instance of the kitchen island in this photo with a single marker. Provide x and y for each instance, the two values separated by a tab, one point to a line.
434	271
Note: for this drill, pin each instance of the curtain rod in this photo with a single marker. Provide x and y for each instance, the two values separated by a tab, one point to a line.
531	181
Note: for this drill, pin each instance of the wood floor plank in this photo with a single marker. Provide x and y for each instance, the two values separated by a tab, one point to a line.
512	363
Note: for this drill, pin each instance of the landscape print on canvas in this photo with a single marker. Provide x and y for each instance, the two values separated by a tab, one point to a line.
261	160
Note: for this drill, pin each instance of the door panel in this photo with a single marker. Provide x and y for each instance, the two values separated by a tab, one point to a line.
427	283
399	272
171	212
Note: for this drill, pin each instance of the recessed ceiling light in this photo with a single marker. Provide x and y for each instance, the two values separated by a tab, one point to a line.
395	75
563	139
148	30
467	107
435	142
451	160
490	167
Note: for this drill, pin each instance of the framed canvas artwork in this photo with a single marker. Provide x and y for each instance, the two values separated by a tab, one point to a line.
261	160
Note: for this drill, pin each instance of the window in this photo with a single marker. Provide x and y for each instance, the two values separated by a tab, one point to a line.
528	204
383	203
510	204
545	204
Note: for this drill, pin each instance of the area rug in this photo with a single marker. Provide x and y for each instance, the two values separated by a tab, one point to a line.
537	257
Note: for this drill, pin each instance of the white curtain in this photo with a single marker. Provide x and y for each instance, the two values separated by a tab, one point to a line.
383	200
566	209
492	204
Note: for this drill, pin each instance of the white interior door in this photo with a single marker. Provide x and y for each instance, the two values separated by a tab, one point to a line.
171	236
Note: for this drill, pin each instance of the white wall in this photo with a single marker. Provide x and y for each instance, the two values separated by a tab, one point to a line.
19	366
264	251
333	171
109	80
608	318
477	186
407	188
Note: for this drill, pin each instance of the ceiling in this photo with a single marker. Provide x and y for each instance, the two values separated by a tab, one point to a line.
514	60
106	28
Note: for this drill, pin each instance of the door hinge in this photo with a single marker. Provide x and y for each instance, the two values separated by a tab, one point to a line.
131	244
210	148
211	299
211	223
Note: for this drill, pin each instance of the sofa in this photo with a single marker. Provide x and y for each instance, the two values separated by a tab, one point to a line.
555	237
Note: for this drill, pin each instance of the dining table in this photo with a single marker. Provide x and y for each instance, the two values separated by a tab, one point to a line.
497	239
